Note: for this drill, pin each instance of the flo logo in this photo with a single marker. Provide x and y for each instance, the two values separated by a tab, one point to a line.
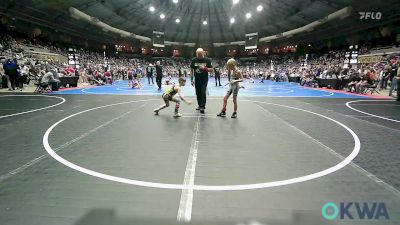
370	15
355	210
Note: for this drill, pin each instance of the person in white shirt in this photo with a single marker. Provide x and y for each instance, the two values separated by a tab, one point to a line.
23	77
48	79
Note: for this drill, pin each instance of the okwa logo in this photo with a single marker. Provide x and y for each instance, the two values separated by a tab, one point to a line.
355	210
370	15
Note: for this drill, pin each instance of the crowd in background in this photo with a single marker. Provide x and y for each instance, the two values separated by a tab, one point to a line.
96	69
354	78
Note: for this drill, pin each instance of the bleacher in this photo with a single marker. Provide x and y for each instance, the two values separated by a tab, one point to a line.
30	48
384	50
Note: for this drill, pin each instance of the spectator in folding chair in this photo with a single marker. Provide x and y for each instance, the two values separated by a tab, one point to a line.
354	79
92	80
365	82
374	77
36	82
48	79
107	78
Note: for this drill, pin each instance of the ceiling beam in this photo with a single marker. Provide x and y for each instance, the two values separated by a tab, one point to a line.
183	7
210	30
201	22
189	24
221	32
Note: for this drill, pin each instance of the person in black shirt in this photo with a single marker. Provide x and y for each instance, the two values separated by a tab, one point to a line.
149	73
200	67
158	74
217	72
353	80
365	82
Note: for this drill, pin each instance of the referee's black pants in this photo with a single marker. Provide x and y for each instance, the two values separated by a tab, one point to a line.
201	92
158	81
218	78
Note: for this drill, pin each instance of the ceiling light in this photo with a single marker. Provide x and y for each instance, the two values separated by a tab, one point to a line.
205	22
175	1
177	20
259	8
162	16
248	15
235	1
232	20
152	9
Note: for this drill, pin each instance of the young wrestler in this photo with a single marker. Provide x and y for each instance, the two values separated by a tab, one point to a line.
172	94
130	78
168	79
251	79
136	82
236	77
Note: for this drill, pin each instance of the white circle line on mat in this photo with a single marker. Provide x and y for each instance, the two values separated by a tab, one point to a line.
342	164
370	114
33	110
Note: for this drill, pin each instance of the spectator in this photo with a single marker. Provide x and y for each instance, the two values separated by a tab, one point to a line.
149	74
23	78
11	71
2	75
48	79
384	77
393	78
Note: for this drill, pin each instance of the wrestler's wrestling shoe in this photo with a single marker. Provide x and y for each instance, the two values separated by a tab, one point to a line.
222	114
177	115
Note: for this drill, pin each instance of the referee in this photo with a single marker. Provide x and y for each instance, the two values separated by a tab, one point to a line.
159	75
200	67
